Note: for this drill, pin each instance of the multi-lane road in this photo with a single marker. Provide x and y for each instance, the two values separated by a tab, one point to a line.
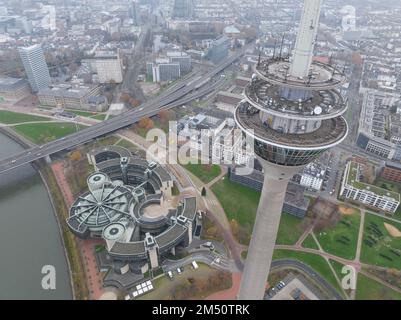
181	93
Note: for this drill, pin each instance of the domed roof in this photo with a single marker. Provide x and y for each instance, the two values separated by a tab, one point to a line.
100	207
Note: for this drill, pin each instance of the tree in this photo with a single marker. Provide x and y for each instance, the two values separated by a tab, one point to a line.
164	116
125	97
134	102
75	155
146	123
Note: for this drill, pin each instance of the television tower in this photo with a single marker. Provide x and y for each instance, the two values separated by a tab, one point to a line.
293	110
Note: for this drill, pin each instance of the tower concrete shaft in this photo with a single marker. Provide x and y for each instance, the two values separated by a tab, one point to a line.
294	112
260	251
303	52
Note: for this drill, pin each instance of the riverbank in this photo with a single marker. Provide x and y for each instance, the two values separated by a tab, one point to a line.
58	207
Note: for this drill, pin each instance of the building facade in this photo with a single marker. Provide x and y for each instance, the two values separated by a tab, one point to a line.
353	189
392	172
13	89
312	177
35	67
72	97
218	50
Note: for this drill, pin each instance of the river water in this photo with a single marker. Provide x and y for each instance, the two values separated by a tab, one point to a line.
29	235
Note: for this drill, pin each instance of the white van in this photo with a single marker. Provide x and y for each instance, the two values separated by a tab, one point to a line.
195	265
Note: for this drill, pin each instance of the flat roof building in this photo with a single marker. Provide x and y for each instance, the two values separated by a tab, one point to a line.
375	197
13	89
72	96
129	204
108	67
392	172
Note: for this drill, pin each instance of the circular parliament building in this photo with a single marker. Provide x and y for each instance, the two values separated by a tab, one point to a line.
129	204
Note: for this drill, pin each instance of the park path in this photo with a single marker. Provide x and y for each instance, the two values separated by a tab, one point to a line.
304	236
87	246
360	237
223	173
323	254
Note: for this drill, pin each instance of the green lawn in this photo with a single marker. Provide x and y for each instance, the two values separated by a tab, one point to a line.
310	243
204	172
341	240
368	289
291	229
99	116
316	262
379	247
42	133
388	185
9	117
240	203
82	113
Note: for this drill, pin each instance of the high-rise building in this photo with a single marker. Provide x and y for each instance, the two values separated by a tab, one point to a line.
218	49
183	9
35	67
293	110
135	13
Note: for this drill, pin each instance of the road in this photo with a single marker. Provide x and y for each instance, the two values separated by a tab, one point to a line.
177	95
285	263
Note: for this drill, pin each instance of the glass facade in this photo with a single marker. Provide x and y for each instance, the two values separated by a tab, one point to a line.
285	156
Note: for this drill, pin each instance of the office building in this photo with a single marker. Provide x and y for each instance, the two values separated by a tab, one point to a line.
163	70
183	59
108	66
183	9
312	177
353	188
129	205
35	67
13	89
218	50
72	96
392	172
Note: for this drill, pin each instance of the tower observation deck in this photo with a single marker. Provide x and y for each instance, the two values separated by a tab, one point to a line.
293	110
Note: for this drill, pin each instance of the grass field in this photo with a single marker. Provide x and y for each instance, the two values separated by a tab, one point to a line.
378	246
9	117
310	243
204	172
341	240
316	262
45	132
239	202
99	117
291	229
164	286
368	289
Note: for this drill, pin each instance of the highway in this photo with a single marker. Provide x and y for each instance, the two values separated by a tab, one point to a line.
179	94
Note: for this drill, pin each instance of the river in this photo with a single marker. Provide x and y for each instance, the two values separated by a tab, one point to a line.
29	235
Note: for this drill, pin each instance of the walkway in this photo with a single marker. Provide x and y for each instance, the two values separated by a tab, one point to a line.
87	246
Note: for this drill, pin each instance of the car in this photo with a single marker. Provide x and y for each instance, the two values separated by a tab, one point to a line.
39	154
208	245
170	275
13	161
29	153
194	265
179	270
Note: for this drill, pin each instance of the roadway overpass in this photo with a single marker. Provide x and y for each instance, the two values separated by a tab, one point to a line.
179	94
